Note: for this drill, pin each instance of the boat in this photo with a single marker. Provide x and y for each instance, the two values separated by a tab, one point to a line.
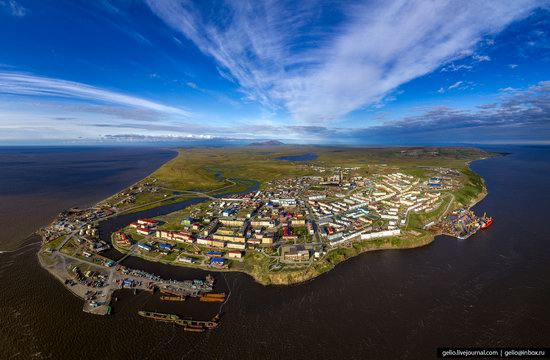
211	299
188	324
487	223
192	329
215	295
158	316
172	298
197	324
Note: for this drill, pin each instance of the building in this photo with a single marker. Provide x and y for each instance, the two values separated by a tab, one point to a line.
218	243
148	222
180	236
235	254
204	241
232	245
293	254
218	262
215	254
144	231
166	247
144	247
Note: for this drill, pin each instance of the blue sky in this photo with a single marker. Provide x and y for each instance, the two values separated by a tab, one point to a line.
369	72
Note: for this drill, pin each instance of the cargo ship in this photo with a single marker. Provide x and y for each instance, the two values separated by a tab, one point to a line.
188	324
197	324
158	316
213	297
216	295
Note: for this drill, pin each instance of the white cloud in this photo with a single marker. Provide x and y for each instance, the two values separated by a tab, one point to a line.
452	67
481	58
321	73
14	8
19	84
513	66
455	85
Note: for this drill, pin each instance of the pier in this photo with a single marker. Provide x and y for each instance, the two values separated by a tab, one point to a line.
95	283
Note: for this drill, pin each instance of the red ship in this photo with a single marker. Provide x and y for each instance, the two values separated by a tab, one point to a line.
487	221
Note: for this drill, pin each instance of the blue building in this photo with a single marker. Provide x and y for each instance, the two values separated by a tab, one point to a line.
166	247
217	261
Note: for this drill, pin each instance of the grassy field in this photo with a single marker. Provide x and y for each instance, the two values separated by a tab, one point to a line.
473	187
205	169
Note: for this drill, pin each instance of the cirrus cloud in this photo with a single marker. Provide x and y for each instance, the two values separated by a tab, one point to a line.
280	55
21	84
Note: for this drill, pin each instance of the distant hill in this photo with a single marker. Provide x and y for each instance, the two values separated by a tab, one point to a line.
267	143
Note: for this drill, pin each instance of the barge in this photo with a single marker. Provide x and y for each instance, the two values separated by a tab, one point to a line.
188	324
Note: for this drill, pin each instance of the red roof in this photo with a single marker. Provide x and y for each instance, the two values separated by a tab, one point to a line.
151	221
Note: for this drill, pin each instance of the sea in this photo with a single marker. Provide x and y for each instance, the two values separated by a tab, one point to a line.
491	290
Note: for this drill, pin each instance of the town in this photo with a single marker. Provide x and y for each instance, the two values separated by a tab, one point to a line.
295	221
288	228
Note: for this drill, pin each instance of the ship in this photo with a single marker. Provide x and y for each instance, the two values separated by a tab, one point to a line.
193	329
486	223
158	316
188	324
172	298
213	298
197	324
215	295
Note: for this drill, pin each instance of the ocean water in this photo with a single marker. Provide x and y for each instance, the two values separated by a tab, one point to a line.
490	290
36	183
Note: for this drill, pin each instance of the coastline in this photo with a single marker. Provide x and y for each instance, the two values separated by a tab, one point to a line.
298	276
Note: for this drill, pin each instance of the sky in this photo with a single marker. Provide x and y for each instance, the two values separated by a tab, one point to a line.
323	72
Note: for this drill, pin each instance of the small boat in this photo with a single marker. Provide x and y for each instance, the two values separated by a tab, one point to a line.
211	299
486	222
193	329
218	295
172	298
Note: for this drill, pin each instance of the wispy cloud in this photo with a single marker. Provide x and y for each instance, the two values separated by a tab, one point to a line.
279	56
26	85
452	67
457	85
481	58
14	8
518	116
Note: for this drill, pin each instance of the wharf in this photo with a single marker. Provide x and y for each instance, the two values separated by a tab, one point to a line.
97	290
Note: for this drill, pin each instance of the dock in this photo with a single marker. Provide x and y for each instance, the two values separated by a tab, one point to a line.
95	284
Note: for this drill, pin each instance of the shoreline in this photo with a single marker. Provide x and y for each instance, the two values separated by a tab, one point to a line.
311	276
298	276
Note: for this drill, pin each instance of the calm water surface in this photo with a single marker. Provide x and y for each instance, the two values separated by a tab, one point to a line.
490	290
302	157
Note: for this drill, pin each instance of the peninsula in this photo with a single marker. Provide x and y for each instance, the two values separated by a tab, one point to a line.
282	214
